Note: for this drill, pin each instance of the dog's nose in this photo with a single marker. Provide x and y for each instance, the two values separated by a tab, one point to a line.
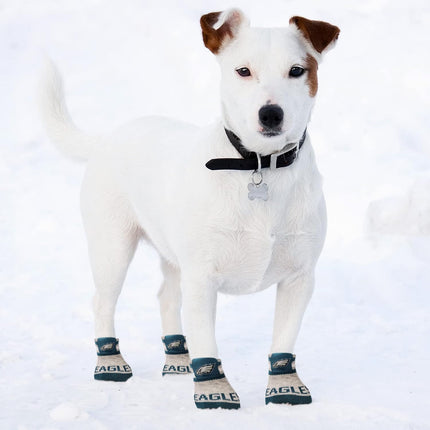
271	116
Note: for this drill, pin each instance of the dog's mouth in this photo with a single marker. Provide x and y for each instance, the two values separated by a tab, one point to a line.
271	132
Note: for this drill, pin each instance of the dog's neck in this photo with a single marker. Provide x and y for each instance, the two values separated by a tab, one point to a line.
250	160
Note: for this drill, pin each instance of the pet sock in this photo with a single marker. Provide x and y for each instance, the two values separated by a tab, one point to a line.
211	387
284	385
110	364
177	357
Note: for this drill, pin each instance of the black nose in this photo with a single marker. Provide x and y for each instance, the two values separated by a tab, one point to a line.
271	116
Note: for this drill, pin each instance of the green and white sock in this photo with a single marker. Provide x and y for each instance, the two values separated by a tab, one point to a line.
284	384
177	357
110	364
211	387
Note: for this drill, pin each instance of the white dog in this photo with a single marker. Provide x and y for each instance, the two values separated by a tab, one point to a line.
235	207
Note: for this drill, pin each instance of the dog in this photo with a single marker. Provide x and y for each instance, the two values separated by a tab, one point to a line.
235	207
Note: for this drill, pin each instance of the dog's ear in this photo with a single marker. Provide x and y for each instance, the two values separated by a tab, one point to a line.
321	35
218	28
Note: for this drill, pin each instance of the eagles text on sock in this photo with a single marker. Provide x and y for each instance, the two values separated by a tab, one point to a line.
302	390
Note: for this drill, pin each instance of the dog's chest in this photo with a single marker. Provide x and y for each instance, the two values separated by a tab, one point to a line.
255	256
255	244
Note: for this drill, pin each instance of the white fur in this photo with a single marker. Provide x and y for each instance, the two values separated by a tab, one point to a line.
71	141
148	180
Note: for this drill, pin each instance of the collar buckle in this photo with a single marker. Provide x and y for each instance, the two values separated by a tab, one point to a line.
296	152
273	160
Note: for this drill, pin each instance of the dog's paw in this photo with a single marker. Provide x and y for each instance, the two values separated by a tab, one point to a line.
284	385
211	387
287	389
111	366
177	357
177	365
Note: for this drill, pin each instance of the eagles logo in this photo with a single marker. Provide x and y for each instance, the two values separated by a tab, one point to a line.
281	363
174	345
206	369
106	347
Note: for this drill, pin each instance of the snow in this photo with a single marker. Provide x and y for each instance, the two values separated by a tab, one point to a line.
364	346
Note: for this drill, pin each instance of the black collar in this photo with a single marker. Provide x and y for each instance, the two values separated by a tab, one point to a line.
249	160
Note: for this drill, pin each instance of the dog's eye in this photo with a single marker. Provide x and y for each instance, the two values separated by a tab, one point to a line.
243	71
296	71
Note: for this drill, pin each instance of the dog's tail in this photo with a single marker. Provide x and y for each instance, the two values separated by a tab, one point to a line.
59	126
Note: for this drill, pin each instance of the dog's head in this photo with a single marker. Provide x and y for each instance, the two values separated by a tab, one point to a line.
268	76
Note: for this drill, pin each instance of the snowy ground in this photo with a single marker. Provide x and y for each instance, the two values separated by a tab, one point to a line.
364	347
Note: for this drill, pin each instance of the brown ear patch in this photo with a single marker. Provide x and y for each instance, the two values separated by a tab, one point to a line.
212	38
319	33
312	78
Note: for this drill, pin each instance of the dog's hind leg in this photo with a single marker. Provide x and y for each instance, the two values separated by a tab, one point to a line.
284	384
112	237
170	298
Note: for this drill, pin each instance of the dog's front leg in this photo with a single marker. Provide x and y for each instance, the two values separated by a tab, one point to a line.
291	300
211	387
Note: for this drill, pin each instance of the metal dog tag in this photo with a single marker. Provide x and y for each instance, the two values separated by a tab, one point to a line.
260	191
257	189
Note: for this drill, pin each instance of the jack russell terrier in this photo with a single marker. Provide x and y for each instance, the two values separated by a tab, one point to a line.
235	207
